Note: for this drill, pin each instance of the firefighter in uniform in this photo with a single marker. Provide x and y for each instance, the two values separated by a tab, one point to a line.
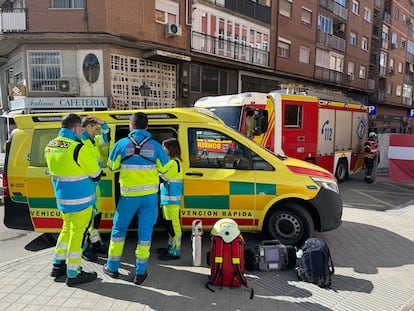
139	159
171	192
99	143
74	172
370	156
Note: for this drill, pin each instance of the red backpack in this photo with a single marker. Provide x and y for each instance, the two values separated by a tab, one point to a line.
227	263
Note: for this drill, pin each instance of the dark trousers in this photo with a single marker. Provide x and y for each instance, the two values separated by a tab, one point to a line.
369	165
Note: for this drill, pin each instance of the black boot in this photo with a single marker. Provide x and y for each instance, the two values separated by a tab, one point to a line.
83	277
58	270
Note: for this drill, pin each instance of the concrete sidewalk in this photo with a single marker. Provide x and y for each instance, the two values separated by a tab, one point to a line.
373	253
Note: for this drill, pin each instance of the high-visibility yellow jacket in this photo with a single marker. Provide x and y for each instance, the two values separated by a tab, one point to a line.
74	171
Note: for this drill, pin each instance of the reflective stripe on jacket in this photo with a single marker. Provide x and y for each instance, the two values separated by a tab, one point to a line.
138	173
72	180
172	187
371	149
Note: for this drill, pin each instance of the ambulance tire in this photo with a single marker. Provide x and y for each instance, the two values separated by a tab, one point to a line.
291	224
341	172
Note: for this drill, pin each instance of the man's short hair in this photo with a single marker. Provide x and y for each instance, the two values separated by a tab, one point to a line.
71	120
139	120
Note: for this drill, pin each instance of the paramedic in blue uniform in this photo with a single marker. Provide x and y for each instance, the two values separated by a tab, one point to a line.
139	159
96	136
171	192
74	172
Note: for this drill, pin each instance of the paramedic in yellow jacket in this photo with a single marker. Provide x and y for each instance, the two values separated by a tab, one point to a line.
171	192
139	159
95	135
74	172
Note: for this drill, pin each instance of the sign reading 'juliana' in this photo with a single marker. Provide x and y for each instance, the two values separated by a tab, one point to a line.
59	103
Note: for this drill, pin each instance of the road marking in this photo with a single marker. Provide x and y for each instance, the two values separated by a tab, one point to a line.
373	198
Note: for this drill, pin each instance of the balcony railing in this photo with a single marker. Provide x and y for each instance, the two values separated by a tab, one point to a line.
335	8
329	75
228	49
334	42
13	20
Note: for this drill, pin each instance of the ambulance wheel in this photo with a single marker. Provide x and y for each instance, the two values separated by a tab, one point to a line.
290	224
341	172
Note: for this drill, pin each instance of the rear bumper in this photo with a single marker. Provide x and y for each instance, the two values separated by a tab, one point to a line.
17	215
329	207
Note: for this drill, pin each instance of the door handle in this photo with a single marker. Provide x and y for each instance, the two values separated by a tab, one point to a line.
194	174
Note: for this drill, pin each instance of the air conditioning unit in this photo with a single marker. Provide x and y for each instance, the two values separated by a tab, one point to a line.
68	86
350	76
393	46
391	71
173	30
341	27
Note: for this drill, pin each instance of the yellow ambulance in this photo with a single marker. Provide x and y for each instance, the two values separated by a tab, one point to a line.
226	175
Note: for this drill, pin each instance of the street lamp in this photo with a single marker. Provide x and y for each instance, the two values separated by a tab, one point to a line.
144	90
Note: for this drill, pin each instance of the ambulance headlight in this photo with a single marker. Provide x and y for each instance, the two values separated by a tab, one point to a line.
328	184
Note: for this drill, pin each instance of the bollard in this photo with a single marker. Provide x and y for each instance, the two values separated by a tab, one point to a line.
197	232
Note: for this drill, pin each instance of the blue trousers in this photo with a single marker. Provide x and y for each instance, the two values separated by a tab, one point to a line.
146	208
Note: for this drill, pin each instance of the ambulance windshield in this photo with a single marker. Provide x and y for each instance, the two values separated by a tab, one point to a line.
230	115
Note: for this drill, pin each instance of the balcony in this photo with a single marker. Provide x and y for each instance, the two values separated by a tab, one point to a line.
251	9
228	49
335	8
332	41
329	75
13	20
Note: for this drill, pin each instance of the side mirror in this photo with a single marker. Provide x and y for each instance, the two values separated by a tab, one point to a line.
261	122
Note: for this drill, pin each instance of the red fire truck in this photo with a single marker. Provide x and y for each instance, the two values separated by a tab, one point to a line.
327	132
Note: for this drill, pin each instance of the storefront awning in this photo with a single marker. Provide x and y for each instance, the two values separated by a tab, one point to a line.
165	56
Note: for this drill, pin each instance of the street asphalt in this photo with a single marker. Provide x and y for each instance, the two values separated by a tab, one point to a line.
373	254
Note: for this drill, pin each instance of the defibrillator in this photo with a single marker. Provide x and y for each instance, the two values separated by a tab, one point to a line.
272	255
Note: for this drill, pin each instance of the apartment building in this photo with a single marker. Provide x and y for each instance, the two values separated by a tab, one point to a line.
392	66
167	53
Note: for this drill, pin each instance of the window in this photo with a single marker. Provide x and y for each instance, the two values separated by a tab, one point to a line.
91	68
195	78
396	14
41	138
293	116
325	24
367	14
208	80
283	48
353	38
351	71
403	43
398	90
306	16
212	149
336	62
400	67
355	7
394	40
389	88
392	62
304	55
68	4
364	43
362	72
167	11
44	68
285	8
